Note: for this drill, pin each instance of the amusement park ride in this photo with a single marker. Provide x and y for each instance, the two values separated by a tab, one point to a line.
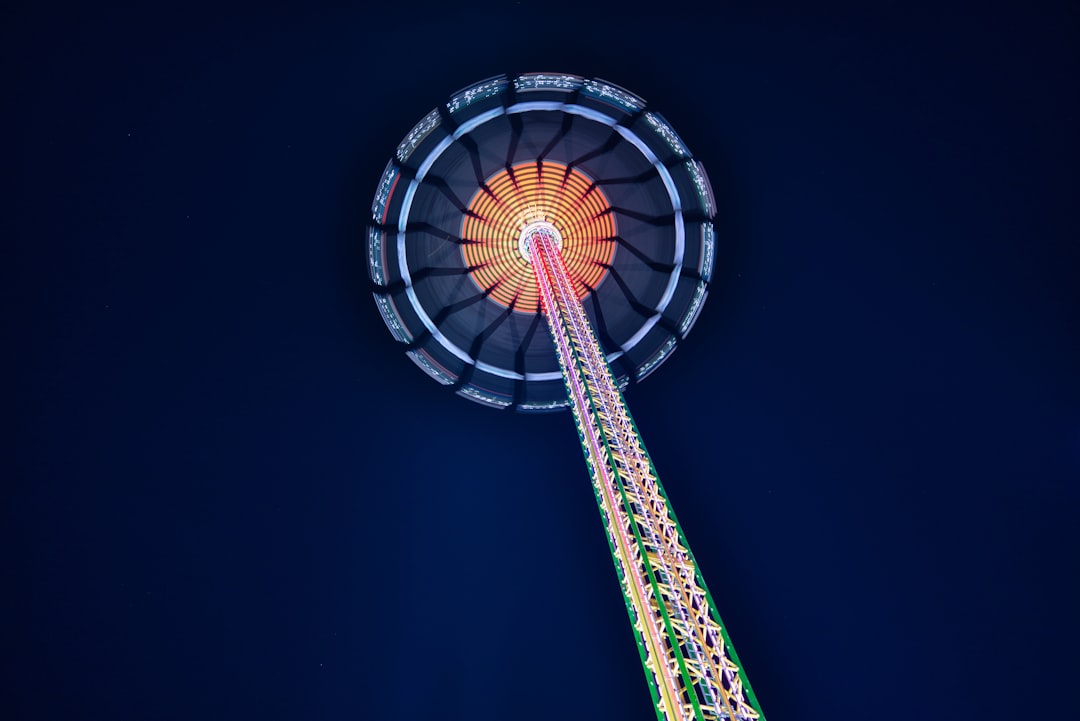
559	199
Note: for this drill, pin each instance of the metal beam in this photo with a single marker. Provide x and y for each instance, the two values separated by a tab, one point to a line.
690	665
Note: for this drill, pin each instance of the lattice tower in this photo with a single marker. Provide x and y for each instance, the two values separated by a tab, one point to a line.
690	664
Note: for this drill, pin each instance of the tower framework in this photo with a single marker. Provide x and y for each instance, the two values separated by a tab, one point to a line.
689	661
552	199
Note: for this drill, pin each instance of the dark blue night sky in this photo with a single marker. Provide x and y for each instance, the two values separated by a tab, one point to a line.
228	494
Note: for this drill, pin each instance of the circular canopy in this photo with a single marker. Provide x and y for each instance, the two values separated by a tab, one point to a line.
632	206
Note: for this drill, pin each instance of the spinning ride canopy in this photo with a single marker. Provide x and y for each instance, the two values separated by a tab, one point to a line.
452	279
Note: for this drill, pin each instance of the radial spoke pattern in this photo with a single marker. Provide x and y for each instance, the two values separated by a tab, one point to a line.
526	193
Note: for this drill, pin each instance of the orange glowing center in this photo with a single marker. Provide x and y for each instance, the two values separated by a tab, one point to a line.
528	193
